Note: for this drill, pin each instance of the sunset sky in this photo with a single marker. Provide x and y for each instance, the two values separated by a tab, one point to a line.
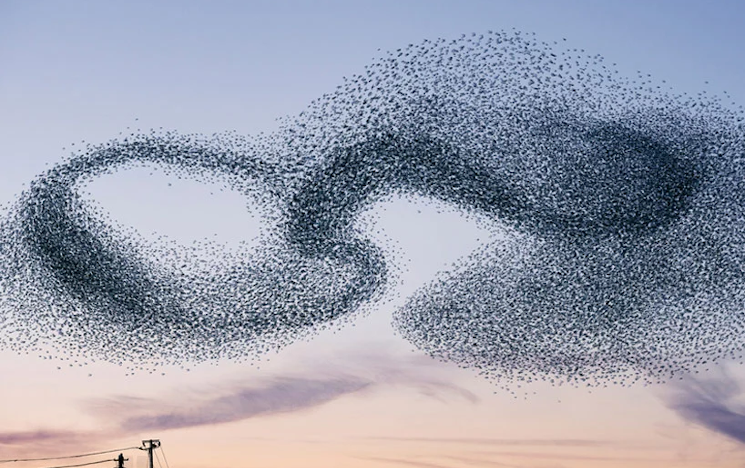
361	396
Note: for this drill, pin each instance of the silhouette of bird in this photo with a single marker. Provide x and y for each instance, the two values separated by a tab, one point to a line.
623	207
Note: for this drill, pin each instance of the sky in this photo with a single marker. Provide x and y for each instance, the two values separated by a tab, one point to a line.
360	396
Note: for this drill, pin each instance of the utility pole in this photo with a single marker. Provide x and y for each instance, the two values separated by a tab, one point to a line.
150	445
120	461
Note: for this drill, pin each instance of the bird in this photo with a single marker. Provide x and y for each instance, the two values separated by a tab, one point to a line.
621	204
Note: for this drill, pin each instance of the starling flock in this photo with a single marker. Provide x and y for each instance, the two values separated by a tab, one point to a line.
621	207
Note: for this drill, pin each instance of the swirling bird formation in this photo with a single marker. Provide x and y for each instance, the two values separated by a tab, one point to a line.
622	208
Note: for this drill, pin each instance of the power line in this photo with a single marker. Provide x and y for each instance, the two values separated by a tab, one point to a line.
83	464
157	458
67	456
164	456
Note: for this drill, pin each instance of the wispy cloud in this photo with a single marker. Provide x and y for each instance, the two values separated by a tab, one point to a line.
525	453
235	403
445	461
404	461
484	462
712	403
42	443
556	456
504	442
313	386
38	437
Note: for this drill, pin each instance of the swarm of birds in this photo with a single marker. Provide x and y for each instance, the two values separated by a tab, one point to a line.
622	208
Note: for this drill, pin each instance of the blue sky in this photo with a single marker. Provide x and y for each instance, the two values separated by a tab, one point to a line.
74	71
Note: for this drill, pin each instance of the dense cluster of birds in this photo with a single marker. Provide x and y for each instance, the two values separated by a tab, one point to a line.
621	207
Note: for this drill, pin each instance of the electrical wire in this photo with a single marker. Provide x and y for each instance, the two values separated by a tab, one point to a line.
157	458
67	456
164	456
83	464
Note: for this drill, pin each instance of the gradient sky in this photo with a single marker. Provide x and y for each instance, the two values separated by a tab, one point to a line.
360	397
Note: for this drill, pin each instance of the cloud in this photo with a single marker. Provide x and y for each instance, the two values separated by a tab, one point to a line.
279	395
38	437
525	453
315	385
45	442
484	462
711	403
555	456
504	442
403	461
459	460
